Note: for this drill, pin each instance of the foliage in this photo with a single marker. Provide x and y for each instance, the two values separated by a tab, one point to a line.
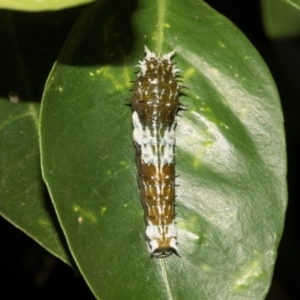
281	18
40	5
230	156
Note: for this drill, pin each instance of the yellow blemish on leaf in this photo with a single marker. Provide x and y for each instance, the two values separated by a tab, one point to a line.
113	78
189	224
196	163
188	73
208	144
205	109
123	163
207	268
193	222
224	125
198	155
167	25
87	214
127	77
106	72
253	271
222	45
108	172
44	222
197	159
103	210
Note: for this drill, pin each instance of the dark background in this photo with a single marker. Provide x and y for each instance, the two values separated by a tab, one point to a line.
28	271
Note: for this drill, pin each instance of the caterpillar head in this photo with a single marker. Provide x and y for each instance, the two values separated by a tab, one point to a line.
160	248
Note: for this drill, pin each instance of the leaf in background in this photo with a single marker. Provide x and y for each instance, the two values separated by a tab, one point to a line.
281	19
40	5
230	154
296	3
22	193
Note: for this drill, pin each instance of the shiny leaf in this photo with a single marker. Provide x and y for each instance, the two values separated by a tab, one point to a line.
23	200
40	5
230	154
281	19
296	3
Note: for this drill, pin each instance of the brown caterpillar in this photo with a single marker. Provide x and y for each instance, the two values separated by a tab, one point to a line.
155	102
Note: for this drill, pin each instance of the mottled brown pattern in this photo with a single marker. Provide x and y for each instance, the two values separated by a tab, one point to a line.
156	101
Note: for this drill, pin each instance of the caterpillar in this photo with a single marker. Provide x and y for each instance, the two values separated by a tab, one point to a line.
154	103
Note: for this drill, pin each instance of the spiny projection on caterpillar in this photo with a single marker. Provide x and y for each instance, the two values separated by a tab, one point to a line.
155	102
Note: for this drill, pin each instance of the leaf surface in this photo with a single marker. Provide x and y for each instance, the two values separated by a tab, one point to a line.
230	154
23	200
296	3
281	18
40	5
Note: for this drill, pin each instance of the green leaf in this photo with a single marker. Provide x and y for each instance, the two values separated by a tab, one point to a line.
281	18
40	5
22	193
230	154
296	3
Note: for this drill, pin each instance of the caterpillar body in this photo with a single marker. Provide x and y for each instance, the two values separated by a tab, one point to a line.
155	102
